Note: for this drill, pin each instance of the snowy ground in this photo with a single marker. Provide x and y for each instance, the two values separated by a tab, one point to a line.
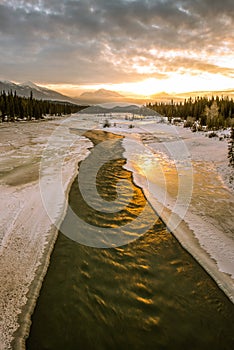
183	175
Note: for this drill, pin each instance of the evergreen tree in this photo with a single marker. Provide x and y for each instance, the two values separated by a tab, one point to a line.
13	107
231	148
214	112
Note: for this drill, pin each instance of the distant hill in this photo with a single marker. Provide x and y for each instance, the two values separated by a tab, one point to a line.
165	97
160	95
228	92
134	109
25	89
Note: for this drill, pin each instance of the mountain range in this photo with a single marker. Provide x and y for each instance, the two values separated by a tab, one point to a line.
101	95
95	97
39	92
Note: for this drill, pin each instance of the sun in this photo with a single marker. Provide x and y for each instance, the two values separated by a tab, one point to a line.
143	88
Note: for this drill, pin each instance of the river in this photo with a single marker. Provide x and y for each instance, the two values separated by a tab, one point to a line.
147	293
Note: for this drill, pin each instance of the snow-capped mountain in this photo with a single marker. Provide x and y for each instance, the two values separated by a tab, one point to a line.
30	85
24	89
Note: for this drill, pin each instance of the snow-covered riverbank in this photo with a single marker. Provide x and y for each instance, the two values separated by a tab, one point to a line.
185	176
27	233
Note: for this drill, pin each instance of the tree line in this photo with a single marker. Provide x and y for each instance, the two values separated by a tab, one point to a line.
14	107
231	149
213	112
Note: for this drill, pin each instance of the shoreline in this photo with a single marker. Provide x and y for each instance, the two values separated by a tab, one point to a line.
184	228
27	245
216	257
34	290
186	237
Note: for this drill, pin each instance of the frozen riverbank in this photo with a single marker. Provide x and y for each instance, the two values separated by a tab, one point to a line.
185	176
30	154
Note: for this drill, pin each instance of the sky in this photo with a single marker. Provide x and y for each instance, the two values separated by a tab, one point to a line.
132	46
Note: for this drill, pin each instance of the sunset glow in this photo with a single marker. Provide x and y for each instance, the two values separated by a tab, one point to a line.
134	47
175	84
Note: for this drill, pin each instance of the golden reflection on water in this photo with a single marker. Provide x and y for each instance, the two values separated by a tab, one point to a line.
149	294
108	176
159	171
106	186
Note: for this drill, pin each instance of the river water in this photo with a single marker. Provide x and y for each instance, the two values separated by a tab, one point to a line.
146	294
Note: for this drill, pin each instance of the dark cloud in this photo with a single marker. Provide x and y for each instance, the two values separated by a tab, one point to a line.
102	41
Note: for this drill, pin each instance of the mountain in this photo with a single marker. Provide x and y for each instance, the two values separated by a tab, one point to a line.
31	85
39	92
101	93
101	96
161	95
8	86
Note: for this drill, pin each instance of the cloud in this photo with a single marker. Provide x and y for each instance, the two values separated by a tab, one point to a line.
101	41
